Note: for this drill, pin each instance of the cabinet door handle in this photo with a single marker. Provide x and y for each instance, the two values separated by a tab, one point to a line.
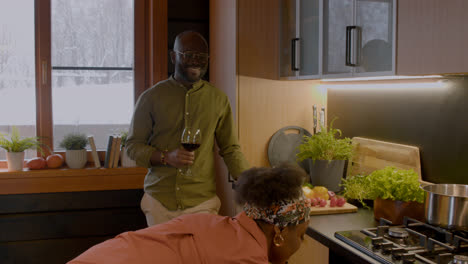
353	44
294	66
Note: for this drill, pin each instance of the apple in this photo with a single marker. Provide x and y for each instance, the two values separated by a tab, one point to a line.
54	161
36	163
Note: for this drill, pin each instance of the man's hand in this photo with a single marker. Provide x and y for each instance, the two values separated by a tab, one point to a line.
180	158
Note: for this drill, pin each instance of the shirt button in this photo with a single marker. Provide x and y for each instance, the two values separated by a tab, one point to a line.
186	113
177	188
180	170
186	95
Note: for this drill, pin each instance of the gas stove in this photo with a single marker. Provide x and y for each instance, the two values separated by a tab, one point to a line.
412	242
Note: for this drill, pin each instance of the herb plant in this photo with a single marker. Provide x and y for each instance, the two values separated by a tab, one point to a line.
18	144
326	146
388	183
74	141
123	135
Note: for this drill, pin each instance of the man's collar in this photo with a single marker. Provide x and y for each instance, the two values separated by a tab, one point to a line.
197	85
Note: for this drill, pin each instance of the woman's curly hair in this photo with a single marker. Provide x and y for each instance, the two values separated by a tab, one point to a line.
263	187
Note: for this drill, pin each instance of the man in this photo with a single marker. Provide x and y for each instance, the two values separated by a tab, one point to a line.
154	141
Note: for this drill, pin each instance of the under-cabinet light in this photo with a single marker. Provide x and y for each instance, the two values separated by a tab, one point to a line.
381	78
435	85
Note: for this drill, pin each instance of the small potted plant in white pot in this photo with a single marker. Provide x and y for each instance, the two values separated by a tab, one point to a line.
124	158
15	147
75	146
327	156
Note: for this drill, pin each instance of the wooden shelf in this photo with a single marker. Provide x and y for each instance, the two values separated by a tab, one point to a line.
71	180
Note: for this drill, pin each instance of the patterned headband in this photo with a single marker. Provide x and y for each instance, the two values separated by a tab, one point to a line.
282	214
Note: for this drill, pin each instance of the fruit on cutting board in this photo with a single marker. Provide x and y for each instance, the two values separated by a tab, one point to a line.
319	195
321	192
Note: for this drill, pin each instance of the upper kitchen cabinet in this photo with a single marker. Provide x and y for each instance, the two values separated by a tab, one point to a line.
299	39
358	38
432	37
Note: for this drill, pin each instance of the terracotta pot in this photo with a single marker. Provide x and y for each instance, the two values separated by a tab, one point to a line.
396	210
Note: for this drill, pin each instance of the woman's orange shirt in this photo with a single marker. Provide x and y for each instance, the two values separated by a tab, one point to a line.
196	238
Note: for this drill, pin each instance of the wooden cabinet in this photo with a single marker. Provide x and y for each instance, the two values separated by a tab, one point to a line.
432	37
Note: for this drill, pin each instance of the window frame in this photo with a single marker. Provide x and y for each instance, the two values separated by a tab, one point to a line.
150	59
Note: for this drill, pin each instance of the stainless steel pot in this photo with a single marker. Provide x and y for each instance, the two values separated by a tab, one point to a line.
446	205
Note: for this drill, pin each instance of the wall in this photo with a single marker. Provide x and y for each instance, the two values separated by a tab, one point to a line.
430	116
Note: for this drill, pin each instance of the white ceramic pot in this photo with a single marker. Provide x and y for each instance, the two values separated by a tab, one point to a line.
15	161
76	159
125	160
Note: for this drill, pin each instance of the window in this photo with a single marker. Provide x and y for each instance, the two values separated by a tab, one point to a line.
17	77
92	67
77	66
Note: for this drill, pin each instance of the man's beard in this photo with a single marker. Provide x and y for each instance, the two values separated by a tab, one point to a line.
189	72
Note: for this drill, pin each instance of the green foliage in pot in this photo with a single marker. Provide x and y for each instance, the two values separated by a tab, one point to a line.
17	144
74	141
388	183
326	146
123	135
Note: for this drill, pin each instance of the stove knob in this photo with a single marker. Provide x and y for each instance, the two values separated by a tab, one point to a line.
459	259
377	241
397	252
386	247
408	257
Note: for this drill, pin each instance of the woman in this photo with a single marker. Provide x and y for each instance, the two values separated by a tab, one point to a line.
270	229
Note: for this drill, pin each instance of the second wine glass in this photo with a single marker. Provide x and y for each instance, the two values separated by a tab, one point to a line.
191	140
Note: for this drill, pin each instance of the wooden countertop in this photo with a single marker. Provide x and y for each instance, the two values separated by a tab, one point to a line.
71	180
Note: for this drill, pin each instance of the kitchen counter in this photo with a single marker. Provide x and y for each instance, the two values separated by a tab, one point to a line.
323	227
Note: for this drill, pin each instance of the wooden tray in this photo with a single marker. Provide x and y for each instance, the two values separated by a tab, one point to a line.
346	208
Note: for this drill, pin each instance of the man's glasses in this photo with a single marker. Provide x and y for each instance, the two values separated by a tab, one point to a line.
192	55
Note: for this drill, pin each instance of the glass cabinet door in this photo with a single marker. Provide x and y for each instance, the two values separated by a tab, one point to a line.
309	37
375	18
288	38
337	15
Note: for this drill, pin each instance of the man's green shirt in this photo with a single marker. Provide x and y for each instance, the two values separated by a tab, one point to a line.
161	114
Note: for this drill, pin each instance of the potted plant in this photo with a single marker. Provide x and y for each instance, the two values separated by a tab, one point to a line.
327	155
75	146
15	147
396	193
125	160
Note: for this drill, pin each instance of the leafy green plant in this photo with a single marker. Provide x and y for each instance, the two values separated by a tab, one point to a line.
388	183
74	141
17	144
326	146
123	135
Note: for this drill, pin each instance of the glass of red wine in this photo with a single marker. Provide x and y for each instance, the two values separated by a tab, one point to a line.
191	140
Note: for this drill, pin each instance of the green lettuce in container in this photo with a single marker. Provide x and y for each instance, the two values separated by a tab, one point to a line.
396	193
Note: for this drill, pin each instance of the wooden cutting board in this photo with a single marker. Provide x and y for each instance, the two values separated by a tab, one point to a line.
346	208
371	155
